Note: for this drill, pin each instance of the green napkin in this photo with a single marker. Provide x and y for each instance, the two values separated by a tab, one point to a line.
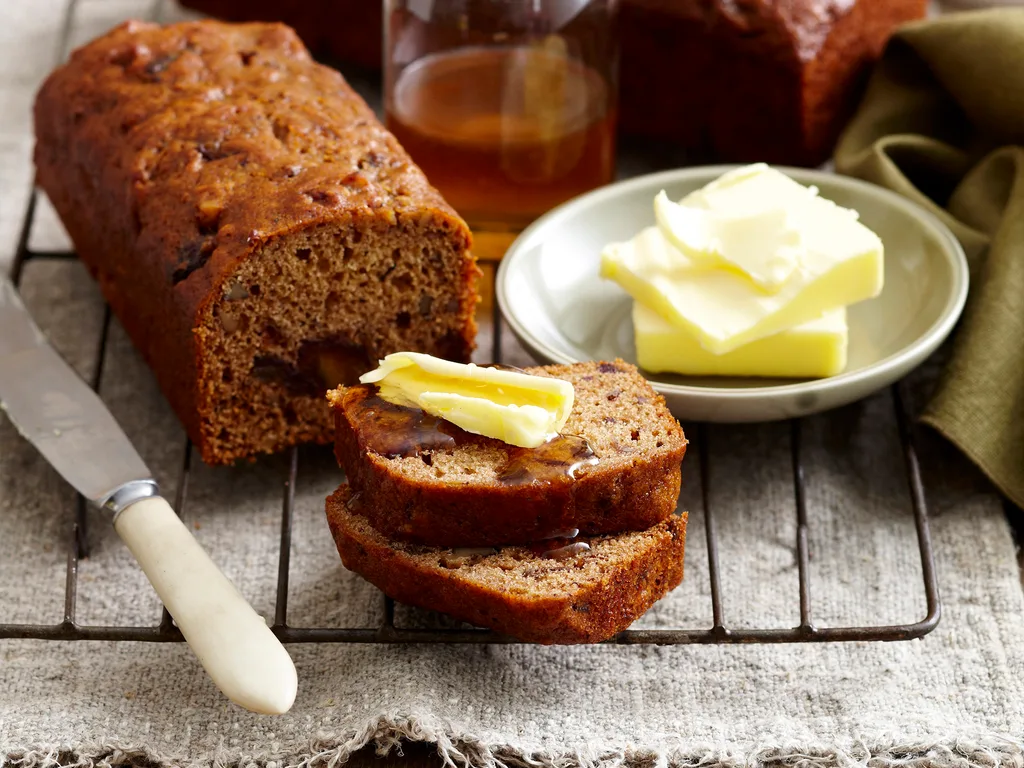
942	123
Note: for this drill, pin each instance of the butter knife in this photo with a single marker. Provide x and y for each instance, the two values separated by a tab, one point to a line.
68	423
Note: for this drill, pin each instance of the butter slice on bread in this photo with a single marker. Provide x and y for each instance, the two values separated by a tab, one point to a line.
517	590
454	496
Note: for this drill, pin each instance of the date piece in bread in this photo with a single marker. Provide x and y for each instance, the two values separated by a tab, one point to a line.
426	481
519	591
259	234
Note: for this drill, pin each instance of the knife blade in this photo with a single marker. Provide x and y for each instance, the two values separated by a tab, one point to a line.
57	412
68	423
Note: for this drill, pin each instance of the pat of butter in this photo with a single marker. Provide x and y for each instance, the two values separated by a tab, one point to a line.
514	407
761	243
813	349
744	222
841	262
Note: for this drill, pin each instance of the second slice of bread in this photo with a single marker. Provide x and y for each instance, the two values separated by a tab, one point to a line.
459	495
518	591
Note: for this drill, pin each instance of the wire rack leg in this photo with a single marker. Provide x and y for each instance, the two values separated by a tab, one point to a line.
924	537
802	548
285	554
711	533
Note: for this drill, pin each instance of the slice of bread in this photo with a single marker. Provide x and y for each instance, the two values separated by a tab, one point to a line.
537	596
431	483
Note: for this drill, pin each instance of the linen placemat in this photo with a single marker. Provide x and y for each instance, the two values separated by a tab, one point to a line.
943	123
951	699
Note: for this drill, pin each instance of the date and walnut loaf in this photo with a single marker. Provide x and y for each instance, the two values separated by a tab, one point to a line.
258	233
616	466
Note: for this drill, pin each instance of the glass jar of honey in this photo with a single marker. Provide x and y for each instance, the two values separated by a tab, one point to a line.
508	107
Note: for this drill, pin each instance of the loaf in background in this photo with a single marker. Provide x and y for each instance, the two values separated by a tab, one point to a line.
757	80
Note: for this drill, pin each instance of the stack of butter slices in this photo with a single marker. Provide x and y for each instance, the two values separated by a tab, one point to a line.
540	503
749	276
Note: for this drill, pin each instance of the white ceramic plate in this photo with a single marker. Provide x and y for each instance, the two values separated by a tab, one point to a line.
550	293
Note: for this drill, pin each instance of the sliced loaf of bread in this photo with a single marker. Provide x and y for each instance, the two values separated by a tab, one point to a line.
583	592
616	468
258	233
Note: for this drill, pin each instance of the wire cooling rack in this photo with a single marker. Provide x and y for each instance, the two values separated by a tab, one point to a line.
67	628
386	632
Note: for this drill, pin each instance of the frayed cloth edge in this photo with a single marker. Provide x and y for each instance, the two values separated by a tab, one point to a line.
461	751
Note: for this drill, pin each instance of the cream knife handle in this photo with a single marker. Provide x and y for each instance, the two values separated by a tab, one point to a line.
233	643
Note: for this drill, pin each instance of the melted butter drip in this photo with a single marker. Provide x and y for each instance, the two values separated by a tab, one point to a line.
395	431
560	547
561	456
569	550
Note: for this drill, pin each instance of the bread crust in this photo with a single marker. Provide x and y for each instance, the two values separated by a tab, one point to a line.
178	155
593	610
629	489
